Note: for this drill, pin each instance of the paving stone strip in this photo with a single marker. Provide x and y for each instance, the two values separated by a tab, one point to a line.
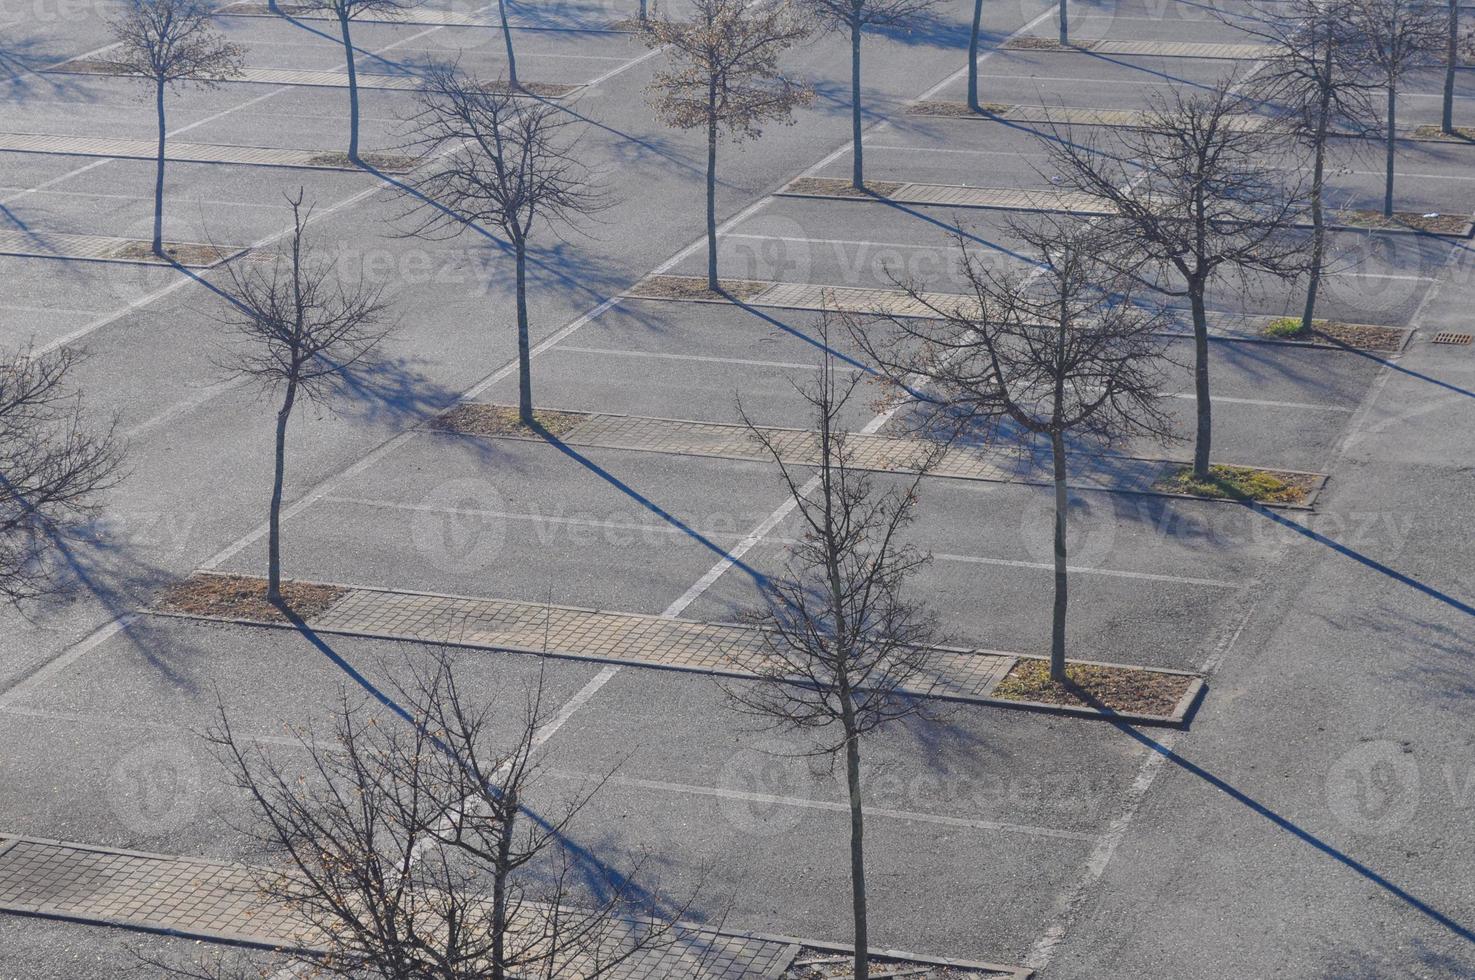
417	16
101	248
216	901
1061	115
181	152
1161	49
855	299
1074	202
653	641
311	78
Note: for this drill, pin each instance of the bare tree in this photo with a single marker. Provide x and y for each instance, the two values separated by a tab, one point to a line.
844	645
1451	65
1063	351
345	12
973	102
54	464
1397	37
171	43
725	78
855	17
1196	193
299	328
1315	74
409	845
500	161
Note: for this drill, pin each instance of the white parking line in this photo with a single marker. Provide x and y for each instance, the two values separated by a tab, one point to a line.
768	799
1212	583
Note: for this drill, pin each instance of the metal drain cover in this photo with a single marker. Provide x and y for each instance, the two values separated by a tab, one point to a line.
1452	338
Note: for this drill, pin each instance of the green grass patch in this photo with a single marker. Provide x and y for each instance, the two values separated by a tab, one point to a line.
1289	326
1238	483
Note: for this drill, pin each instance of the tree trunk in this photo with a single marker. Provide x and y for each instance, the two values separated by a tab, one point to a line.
274	519
1064	24
1318	219
524	350
159	172
644	14
857	174
712	191
1062	511
857	856
973	57
1388	153
507	39
1202	442
1451	58
353	89
506	824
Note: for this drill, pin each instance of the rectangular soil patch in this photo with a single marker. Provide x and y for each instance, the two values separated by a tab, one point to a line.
213	596
1119	690
479	419
839	187
695	288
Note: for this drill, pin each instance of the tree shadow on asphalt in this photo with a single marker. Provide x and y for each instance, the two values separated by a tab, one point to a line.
596	874
23	62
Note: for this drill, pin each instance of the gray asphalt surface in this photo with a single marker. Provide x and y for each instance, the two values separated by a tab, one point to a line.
1314	822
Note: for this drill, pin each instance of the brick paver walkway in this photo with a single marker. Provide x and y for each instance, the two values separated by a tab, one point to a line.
654	641
98	248
1061	115
214	901
312	78
855	299
1161	49
145	149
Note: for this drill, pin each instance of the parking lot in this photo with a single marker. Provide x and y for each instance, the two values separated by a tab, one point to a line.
1074	847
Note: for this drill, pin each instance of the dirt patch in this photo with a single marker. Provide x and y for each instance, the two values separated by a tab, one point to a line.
1240	483
956	110
824	964
185	253
546	90
379	161
1123	689
1435	224
839	187
479	419
695	287
244	597
1362	336
1045	44
1429	131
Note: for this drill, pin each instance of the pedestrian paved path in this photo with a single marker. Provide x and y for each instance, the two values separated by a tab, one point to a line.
183	152
1058	201
316	78
1060	115
871	300
216	901
105	248
1161	49
634	639
418	15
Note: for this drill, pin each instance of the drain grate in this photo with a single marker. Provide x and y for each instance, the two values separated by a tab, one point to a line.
1452	338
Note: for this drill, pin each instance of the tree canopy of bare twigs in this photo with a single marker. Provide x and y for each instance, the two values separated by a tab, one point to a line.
54	464
1061	351
344	12
299	328
854	18
725	78
1198	196
496	160
170	43
1396	37
411	847
844	644
1315	77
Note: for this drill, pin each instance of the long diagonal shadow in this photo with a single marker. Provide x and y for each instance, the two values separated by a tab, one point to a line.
602	879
